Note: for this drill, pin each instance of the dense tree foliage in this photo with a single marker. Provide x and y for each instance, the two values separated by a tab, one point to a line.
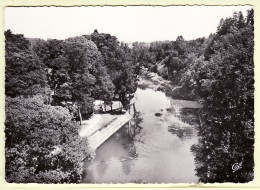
42	143
25	74
225	83
76	72
120	64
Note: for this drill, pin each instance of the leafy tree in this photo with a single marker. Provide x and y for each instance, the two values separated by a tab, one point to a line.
108	47
25	73
180	45
51	52
82	58
116	56
76	72
141	54
225	85
250	17
42	143
103	87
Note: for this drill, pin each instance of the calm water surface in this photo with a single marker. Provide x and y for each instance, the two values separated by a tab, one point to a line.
157	151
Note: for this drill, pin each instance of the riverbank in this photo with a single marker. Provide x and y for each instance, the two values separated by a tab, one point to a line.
159	152
158	83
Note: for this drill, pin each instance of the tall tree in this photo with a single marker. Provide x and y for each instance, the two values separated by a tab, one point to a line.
25	74
225	85
42	143
116	56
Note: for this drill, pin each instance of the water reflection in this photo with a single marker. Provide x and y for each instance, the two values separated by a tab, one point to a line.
126	166
101	168
133	126
145	150
182	133
179	146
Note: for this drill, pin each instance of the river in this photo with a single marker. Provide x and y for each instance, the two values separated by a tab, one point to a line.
157	150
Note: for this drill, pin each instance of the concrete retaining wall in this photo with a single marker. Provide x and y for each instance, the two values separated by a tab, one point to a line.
96	139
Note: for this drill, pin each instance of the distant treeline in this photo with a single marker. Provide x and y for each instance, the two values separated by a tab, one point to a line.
42	143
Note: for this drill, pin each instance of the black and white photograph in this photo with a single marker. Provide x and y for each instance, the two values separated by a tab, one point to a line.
129	94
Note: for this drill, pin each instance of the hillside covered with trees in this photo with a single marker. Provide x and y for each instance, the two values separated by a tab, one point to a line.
51	85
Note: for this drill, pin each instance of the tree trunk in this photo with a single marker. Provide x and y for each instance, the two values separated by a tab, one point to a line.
80	117
134	108
134	120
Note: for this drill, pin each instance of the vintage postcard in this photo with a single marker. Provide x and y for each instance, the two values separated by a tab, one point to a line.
129	95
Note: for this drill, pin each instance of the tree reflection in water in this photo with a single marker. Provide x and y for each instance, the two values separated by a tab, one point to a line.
182	133
129	132
134	126
224	152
